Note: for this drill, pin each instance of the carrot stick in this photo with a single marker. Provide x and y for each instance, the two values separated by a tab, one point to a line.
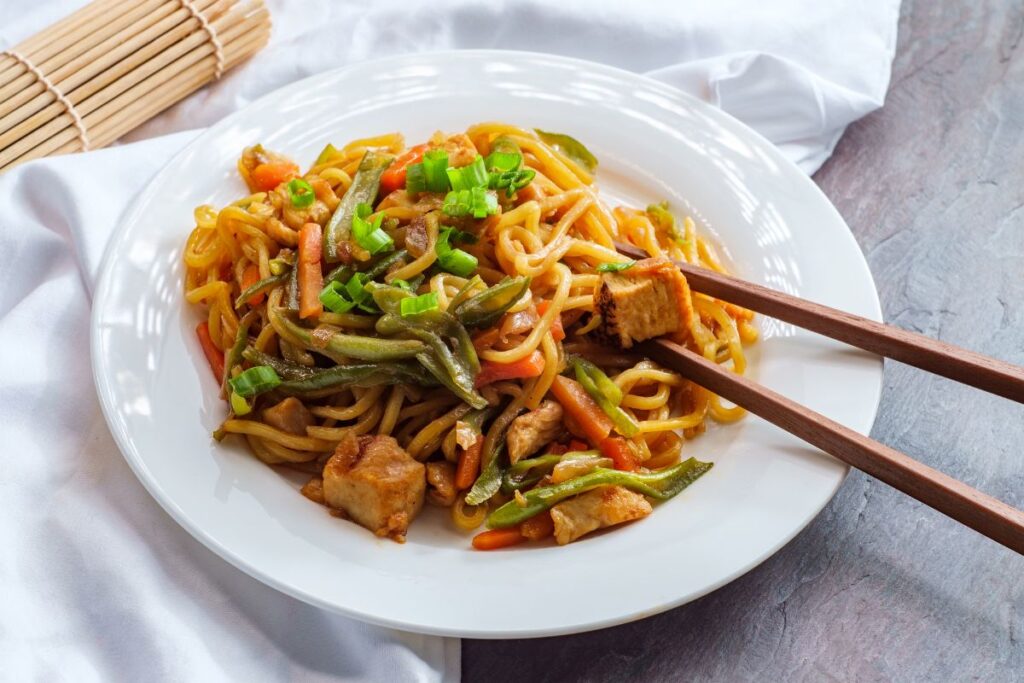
214	356
531	366
469	464
266	177
394	178
536	528
497	538
311	278
557	331
596	425
250	277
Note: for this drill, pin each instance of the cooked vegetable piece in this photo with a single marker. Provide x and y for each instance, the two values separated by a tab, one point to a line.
267	177
570	147
311	280
369	235
557	330
606	394
363	190
491	371
617	448
394	178
661	484
423	303
300	193
453	260
254	381
537	528
497	538
351	345
234	355
663	220
615	267
469	464
485	308
214	356
358	375
578	404
254	292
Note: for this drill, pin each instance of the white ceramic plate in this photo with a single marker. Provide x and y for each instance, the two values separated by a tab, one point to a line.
653	143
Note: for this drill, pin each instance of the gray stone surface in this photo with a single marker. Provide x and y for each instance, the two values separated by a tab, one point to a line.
880	587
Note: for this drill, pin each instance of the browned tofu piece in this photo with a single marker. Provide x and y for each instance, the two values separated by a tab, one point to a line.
376	483
289	416
605	506
531	431
647	300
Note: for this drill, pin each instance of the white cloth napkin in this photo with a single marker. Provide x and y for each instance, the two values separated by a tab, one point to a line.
96	582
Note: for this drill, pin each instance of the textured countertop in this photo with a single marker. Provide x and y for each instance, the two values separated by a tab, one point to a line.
880	587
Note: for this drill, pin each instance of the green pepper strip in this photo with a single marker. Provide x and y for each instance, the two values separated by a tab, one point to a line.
264	285
358	375
602	381
486	307
234	356
363	190
350	345
662	485
291	292
623	421
537	467
491	474
285	368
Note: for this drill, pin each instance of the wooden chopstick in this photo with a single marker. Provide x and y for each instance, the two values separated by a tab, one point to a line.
967	367
970	507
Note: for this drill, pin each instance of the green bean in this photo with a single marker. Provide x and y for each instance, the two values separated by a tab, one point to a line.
662	484
363	190
491	470
359	375
343	346
489	305
234	354
285	368
264	285
623	421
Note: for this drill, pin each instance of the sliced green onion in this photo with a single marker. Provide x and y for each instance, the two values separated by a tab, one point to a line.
453	260
334	300
501	162
603	382
369	235
419	304
476	202
511	181
415	179
300	193
468	177
614	267
435	170
254	381
239	405
401	284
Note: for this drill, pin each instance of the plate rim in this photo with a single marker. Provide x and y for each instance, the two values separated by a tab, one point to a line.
119	430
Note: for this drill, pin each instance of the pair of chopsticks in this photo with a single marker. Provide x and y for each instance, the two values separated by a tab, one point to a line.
981	512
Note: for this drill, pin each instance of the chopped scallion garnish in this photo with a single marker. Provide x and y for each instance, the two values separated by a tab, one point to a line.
254	381
333	298
476	202
300	193
369	235
453	260
501	162
415	179
468	177
435	170
423	303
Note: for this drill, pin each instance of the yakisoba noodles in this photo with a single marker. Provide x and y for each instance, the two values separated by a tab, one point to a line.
451	322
